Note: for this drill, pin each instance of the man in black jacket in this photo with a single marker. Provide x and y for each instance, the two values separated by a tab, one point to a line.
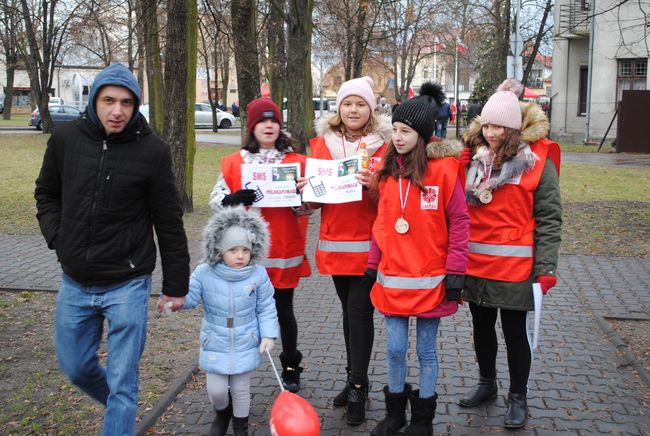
106	182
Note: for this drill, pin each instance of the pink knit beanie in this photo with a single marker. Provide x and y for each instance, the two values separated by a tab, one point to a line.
502	109
362	87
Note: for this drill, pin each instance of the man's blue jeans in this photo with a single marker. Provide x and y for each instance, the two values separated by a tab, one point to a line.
80	315
397	328
441	129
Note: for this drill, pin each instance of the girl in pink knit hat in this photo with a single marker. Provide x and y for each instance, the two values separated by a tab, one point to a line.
515	210
345	230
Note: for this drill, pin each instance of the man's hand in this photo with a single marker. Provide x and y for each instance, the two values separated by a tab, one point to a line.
176	303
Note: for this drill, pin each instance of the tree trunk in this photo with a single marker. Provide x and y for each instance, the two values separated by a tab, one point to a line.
246	55
153	65
9	87
277	56
538	40
180	84
301	112
359	43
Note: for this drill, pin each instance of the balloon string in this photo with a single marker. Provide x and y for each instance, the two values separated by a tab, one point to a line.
277	376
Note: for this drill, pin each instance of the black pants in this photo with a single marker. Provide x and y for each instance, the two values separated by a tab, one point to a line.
513	323
287	321
358	325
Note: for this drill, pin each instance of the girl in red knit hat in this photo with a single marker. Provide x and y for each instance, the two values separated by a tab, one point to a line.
265	143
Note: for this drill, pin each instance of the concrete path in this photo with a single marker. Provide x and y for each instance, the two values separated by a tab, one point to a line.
580	382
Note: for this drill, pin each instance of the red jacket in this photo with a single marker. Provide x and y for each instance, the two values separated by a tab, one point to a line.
345	228
501	232
286	261
410	277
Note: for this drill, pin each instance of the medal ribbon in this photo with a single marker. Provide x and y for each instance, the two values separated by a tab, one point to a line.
402	202
488	174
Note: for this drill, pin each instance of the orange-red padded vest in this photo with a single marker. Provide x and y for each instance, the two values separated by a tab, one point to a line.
410	278
501	245
345	228
286	262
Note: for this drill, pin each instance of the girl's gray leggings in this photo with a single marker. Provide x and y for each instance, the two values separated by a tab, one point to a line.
240	391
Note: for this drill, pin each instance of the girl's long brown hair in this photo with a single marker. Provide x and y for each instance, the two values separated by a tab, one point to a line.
507	148
413	167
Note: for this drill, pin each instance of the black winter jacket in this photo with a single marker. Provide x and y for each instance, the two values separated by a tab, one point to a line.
99	198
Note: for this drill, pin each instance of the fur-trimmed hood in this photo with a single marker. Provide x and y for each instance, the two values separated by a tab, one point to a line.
373	141
227	217
534	124
439	148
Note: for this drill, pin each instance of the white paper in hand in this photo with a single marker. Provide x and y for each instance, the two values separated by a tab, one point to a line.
537	296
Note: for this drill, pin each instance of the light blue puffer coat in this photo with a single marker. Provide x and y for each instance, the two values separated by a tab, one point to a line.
239	310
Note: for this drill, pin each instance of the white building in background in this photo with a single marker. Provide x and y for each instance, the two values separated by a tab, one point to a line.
620	61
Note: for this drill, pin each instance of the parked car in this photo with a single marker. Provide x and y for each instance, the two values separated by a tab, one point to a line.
202	116
329	107
59	115
2	103
56	101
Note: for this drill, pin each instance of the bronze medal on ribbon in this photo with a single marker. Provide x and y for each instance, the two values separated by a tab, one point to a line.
401	226
485	196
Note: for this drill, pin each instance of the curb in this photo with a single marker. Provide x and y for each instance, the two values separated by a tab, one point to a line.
622	347
149	420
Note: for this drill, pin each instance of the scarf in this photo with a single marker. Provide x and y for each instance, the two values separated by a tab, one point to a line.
523	161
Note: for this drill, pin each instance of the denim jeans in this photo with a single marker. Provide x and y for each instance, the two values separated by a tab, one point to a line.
79	322
441	129
397	328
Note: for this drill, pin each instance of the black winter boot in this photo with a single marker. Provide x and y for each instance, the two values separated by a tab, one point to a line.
221	420
342	398
423	410
517	411
486	389
291	372
240	426
356	408
395	413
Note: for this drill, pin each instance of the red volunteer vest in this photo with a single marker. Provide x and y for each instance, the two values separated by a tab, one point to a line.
410	277
345	229
501	245
286	262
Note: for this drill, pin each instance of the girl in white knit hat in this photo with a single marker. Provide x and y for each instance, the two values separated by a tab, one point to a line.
513	194
345	230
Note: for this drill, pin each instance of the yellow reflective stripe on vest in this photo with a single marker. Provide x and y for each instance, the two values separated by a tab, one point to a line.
409	282
501	250
344	246
279	262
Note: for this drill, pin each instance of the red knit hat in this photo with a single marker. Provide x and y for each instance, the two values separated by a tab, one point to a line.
259	110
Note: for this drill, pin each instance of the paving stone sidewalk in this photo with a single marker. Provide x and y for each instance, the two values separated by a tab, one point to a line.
579	383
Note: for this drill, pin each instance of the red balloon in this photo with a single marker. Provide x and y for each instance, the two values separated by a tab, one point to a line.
292	415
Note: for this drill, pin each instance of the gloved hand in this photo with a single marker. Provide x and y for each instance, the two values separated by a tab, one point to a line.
369	279
454	286
465	157
546	282
243	196
266	344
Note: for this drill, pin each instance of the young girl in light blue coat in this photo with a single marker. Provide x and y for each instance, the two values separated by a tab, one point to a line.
240	320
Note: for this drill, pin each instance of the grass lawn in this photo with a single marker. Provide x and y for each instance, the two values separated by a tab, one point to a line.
17	120
20	160
595	197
